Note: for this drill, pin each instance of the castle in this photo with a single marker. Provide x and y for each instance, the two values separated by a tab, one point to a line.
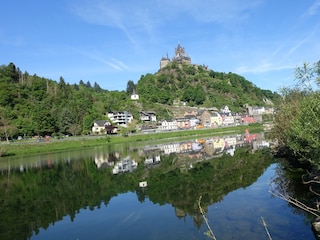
180	57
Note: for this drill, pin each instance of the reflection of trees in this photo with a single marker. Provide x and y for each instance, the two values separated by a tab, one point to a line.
288	183
39	197
210	179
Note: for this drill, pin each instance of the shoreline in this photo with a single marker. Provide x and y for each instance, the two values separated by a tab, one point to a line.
27	147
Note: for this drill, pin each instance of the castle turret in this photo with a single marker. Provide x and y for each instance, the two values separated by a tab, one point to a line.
164	61
180	57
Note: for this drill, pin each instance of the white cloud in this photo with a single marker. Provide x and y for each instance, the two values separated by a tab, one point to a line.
108	61
262	68
313	9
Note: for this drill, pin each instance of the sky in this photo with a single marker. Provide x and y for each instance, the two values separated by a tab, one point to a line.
111	42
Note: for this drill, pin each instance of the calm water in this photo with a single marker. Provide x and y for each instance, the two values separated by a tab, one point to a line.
95	194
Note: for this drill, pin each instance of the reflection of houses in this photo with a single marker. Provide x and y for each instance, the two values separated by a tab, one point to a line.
195	155
125	165
230	151
230	142
186	146
152	160
170	148
103	160
218	144
208	147
248	138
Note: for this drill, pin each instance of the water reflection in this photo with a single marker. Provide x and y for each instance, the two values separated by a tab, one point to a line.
50	188
191	151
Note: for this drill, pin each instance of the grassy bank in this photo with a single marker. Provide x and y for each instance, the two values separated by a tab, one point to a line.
34	147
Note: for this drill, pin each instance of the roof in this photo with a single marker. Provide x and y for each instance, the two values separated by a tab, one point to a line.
102	123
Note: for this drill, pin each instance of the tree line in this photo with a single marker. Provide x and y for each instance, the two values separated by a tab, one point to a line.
36	106
297	122
31	105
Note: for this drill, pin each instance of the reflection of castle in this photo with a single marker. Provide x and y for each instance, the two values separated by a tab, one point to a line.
180	57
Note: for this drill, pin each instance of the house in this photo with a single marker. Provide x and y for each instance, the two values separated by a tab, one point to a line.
225	109
215	119
247	119
134	95
192	118
255	110
101	127
190	114
168	125
148	116
121	118
205	118
227	119
183	123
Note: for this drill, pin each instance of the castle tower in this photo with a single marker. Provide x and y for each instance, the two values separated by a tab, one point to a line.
164	61
179	51
180	57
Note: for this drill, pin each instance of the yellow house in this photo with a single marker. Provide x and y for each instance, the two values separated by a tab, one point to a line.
215	119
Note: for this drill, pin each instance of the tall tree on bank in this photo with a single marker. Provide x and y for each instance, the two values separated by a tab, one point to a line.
297	123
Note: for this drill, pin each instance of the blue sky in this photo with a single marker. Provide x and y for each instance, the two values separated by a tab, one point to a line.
111	42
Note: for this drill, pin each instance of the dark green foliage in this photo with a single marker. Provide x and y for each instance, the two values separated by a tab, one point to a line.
130	87
39	106
297	124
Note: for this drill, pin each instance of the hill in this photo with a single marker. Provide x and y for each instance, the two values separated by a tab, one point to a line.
198	86
35	106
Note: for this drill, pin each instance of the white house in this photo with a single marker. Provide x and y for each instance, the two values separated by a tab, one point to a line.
225	109
99	127
148	116
121	118
167	125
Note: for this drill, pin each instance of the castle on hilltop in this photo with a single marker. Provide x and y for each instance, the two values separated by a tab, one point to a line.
180	57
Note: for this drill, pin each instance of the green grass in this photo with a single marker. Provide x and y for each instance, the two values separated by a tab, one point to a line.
34	147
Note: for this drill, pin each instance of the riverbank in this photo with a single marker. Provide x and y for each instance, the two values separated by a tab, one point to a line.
29	147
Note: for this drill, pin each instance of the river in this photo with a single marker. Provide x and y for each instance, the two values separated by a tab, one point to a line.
95	193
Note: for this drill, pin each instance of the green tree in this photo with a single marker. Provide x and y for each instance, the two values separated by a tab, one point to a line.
303	136
130	87
297	122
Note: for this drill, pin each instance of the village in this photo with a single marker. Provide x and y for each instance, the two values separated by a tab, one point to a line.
196	119
190	118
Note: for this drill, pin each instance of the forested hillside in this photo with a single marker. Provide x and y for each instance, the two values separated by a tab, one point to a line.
199	86
31	105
